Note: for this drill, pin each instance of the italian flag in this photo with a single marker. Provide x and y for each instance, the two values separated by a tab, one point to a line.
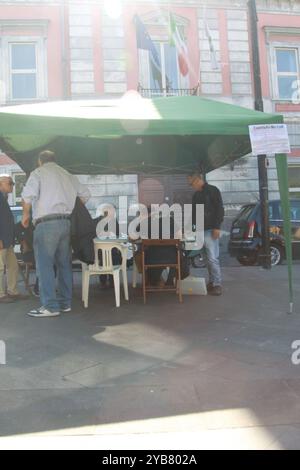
177	40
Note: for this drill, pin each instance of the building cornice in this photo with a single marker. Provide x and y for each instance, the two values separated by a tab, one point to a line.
288	7
269	30
27	24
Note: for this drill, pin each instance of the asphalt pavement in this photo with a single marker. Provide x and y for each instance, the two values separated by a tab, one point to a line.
213	372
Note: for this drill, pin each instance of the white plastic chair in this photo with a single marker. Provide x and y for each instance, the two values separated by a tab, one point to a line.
107	267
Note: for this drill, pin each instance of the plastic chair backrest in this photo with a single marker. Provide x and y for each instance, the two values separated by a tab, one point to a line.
106	249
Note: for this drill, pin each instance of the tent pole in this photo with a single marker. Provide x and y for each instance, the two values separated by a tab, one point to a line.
282	171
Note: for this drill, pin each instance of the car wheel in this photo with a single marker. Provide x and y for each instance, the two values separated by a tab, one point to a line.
198	262
276	255
250	260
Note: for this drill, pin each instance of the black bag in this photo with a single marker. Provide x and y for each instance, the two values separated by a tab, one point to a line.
83	232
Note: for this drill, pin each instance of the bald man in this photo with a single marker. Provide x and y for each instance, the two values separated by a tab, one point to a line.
8	260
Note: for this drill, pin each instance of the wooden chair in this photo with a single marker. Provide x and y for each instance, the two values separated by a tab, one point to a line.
145	245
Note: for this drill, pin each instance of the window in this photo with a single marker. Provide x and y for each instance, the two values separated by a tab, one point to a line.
23	68
287	72
295	210
245	212
171	78
275	211
294	179
23	71
169	67
171	81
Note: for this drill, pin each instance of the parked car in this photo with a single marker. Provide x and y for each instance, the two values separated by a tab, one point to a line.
17	213
245	236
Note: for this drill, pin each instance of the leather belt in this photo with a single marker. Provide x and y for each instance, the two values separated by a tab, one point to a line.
48	218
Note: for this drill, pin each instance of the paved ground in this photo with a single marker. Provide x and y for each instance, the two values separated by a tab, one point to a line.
211	373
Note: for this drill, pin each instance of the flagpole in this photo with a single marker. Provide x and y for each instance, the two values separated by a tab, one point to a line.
140	87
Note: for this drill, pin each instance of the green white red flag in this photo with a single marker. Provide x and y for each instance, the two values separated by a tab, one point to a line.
177	41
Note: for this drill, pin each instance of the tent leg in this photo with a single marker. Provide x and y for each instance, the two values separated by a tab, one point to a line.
282	171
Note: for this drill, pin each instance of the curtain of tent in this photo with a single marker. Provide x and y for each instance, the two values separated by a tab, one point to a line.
282	171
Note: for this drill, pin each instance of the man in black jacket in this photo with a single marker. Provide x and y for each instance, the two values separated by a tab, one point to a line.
211	198
8	260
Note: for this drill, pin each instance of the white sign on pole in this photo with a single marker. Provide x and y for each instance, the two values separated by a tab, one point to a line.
269	139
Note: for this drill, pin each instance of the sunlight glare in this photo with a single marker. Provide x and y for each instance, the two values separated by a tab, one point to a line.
113	8
182	432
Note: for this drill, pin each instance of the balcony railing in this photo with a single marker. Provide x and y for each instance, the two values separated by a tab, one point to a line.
166	92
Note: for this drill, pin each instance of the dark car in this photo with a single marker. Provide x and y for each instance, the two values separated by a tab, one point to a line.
245	234
17	213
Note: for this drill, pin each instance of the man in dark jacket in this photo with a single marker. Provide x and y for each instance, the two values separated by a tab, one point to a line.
83	232
211	198
8	260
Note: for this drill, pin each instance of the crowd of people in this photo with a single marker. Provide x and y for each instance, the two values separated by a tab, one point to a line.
48	199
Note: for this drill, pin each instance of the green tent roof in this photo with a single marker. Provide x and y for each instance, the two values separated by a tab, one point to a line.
131	134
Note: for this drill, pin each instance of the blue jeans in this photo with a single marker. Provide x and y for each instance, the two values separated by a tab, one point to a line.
211	252
52	248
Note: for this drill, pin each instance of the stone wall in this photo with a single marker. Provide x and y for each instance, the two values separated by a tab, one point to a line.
81	51
242	177
211	80
109	189
114	55
103	188
239	53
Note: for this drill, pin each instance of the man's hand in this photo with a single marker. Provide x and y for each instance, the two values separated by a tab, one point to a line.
26	214
216	233
1	245
25	220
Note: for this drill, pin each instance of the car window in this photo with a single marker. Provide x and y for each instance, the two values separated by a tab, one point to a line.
295	210
271	211
275	210
17	216
245	213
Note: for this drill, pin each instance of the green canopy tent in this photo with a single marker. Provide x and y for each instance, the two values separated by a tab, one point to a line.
130	135
136	135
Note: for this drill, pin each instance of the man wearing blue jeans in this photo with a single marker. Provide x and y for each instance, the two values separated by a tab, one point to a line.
50	193
211	198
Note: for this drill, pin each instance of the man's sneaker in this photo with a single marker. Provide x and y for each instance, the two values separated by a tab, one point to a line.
66	310
42	312
215	290
6	300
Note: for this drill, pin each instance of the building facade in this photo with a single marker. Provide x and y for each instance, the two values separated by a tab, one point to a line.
68	49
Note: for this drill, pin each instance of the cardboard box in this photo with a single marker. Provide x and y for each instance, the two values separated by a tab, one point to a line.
194	286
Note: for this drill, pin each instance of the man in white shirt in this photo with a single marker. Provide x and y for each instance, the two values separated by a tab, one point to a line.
50	194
